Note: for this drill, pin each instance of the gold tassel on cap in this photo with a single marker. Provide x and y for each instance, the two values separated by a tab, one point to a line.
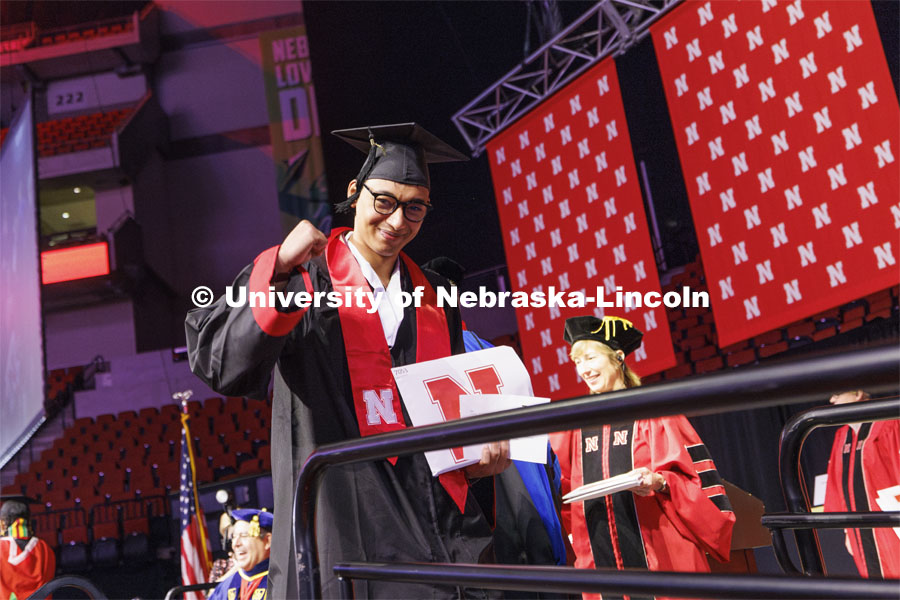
609	325
254	526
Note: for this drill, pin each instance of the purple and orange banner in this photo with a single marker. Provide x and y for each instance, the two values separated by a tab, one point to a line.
294	128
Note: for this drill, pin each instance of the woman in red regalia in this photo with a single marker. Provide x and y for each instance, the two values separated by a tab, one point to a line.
678	511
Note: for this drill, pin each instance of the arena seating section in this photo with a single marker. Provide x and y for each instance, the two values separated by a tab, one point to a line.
104	483
696	345
74	134
27	35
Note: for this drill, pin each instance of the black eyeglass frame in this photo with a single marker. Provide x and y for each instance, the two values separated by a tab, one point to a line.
397	204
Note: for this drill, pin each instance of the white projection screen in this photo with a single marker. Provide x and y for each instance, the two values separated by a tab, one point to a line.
21	333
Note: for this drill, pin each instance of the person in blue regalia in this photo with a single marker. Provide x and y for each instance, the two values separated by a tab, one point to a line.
251	541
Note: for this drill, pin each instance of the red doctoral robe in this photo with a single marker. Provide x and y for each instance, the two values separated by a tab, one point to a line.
665	531
876	446
22	572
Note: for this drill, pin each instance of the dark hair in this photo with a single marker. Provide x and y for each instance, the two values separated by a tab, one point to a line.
12	510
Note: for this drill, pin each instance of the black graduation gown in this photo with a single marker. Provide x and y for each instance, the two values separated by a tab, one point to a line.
365	512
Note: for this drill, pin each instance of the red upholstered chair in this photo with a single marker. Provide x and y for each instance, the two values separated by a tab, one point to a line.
135	517
106	421
147	415
250	466
169	413
105	521
213	406
75	526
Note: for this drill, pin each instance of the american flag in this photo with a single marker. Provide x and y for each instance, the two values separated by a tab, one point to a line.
196	559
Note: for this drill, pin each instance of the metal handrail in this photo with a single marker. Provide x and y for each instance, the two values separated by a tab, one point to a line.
795	494
630	581
838	520
876	369
79	583
196	587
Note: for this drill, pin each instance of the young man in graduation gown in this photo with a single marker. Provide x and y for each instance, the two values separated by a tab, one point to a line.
333	380
679	510
26	561
864	475
251	541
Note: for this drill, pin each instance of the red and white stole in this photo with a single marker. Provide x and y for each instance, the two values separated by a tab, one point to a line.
375	396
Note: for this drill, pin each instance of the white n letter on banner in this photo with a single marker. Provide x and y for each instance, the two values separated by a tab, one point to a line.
884	255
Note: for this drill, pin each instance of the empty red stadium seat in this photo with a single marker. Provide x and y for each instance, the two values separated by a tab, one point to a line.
148	415
851	324
74	528
236	445
167	474
881	314
686	323
223	424
692	343
170	412
126	418
22	479
234	404
205	473
770	337
141	480
105	519
11	490
213	405
742	357
135	518
87	497
737	346
853	313
801	329
702	353
825	332
81	423
250	466
47	526
772	349
679	371
105	421
709	364
876	300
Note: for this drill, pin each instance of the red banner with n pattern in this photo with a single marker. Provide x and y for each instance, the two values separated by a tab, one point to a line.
787	124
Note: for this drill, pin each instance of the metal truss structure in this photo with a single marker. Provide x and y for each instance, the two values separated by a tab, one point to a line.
609	28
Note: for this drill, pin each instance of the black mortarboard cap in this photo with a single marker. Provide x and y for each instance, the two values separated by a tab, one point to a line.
399	152
615	332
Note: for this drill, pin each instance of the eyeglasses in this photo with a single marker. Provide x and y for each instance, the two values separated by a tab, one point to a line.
385	204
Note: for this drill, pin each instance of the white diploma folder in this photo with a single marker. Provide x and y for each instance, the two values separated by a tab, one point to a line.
604	487
528	449
431	391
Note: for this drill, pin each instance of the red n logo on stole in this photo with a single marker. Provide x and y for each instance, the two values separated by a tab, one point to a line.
620	438
445	392
591	444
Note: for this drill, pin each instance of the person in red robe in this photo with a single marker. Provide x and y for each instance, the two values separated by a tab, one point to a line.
678	512
864	475
26	562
